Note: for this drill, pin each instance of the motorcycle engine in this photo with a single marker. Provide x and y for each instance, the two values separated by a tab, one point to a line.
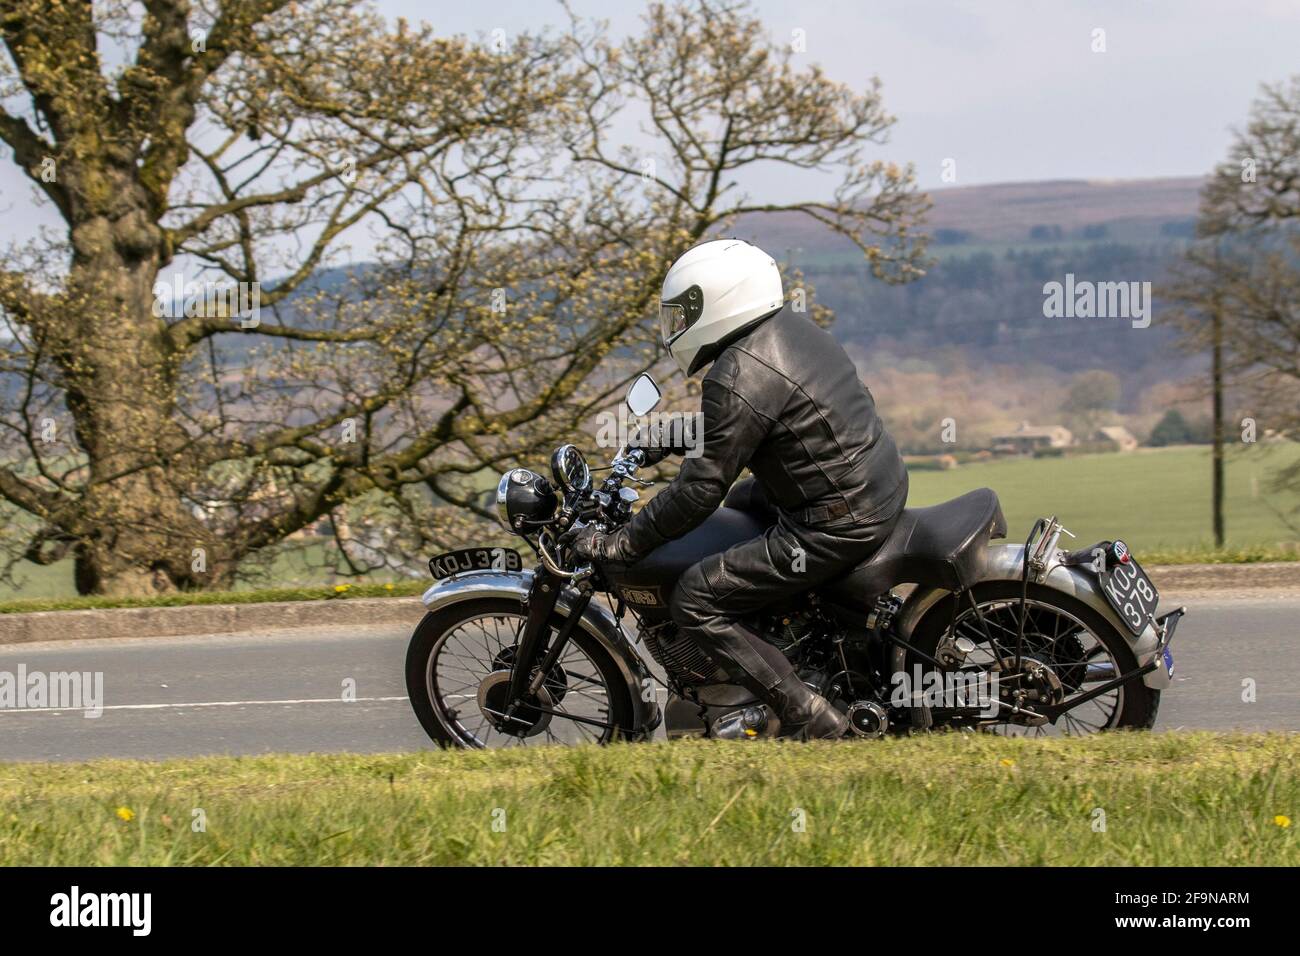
688	662
786	631
680	656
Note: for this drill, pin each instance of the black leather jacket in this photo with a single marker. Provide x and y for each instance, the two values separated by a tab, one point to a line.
785	400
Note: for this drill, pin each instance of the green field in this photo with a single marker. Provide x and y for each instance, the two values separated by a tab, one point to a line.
1158	500
1171	799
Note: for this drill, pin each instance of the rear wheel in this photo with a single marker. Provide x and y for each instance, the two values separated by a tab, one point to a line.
1068	650
458	671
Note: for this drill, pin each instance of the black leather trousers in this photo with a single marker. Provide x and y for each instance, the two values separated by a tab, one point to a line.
714	596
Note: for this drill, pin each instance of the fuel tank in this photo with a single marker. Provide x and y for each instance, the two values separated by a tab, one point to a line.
648	584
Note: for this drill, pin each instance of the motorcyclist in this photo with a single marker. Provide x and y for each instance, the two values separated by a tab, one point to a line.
784	399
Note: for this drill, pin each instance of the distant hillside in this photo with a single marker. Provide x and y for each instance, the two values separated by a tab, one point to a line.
1009	213
973	329
994	248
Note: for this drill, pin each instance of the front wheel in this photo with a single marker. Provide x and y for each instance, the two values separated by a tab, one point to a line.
1068	649
458	674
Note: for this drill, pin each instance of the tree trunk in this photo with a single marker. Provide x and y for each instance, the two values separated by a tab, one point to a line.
1216	378
135	532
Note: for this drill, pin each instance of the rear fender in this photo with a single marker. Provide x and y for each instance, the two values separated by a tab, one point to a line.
1006	563
597	620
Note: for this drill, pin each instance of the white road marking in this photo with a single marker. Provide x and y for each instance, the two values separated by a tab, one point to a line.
204	703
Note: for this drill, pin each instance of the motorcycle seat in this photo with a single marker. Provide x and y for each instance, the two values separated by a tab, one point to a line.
944	545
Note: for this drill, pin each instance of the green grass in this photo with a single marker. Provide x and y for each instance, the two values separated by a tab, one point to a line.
335	592
1170	799
302	567
1254	554
1157	500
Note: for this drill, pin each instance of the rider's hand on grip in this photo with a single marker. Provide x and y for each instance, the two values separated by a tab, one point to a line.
656	444
583	541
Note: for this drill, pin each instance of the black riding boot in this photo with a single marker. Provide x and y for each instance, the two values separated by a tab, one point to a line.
803	712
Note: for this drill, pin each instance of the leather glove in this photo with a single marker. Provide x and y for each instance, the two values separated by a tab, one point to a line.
653	442
588	543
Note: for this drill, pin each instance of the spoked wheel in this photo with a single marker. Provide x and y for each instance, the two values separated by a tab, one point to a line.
458	678
1068	650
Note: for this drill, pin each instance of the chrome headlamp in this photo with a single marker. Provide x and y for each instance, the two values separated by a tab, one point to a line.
525	501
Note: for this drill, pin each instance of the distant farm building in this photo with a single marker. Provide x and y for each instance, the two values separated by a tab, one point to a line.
1030	438
1117	435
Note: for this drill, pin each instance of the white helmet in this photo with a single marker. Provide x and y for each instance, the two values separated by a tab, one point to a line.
713	292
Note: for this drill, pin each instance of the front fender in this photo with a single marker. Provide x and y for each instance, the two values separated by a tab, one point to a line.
597	620
1006	563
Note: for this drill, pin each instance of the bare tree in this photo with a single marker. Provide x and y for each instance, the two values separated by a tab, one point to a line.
1237	291
516	263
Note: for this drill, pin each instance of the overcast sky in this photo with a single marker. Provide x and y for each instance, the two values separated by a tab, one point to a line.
1009	89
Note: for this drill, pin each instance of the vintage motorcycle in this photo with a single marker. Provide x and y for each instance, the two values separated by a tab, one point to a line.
1010	639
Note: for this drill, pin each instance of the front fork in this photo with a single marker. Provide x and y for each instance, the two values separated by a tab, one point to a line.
543	596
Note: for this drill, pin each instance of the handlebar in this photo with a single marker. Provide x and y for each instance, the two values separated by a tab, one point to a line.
553	566
622	468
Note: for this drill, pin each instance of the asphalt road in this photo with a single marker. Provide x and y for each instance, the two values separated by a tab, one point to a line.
284	691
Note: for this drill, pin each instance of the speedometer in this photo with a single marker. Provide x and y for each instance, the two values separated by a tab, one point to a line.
569	468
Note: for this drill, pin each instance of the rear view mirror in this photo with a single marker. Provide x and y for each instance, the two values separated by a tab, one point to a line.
643	395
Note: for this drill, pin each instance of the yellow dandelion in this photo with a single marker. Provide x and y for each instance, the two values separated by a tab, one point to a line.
388	586
340	588
125	813
1282	820
1007	762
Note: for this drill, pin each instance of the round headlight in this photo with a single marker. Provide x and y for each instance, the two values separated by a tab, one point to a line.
525	500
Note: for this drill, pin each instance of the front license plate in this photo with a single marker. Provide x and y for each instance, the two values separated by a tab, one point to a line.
474	559
1129	591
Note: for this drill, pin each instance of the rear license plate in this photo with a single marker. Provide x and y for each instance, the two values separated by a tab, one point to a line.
474	559
1129	591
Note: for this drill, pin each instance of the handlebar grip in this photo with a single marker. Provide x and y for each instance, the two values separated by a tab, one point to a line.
652	445
653	455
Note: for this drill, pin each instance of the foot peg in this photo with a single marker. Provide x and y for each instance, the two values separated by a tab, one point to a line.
744	724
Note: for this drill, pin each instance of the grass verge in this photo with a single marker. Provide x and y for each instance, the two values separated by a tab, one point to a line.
1168	799
1258	554
182	598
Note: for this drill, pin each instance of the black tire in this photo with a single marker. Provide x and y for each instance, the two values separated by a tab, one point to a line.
1137	703
442	723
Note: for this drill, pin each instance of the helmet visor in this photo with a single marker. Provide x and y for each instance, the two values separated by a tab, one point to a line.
672	320
679	313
